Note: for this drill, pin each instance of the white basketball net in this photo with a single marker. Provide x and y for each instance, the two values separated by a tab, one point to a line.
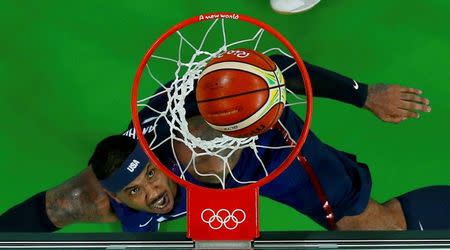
187	70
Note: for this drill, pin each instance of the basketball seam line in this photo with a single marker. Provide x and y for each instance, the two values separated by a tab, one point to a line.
237	61
249	92
279	94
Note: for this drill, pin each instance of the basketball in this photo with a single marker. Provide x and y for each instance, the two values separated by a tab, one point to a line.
241	93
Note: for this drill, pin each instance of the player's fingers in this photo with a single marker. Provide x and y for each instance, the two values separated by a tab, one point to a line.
414	106
411	90
409	114
415	98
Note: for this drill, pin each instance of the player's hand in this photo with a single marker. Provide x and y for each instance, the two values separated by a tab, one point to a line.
395	103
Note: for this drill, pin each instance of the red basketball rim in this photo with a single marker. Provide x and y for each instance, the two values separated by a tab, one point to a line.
208	17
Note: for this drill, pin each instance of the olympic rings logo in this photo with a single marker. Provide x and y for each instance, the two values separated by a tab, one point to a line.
223	218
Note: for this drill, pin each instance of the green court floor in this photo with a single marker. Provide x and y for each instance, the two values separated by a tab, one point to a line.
66	70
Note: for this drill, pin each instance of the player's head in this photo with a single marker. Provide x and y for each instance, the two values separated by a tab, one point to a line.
125	172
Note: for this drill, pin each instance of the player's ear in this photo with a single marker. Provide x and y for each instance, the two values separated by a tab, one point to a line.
112	196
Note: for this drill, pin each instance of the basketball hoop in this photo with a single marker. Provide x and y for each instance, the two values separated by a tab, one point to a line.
212	214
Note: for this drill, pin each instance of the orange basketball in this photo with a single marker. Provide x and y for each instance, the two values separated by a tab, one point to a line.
241	93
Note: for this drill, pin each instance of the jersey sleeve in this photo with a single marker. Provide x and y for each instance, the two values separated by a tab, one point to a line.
325	83
28	216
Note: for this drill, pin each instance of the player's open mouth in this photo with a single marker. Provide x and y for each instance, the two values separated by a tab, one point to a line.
161	202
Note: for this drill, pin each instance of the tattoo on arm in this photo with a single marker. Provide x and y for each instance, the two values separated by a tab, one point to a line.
80	199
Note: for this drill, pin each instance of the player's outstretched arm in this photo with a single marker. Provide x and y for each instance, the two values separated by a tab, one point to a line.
390	103
80	199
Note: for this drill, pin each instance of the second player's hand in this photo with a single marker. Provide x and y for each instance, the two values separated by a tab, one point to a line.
395	103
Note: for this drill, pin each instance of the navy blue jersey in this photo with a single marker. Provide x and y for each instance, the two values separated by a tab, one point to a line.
346	183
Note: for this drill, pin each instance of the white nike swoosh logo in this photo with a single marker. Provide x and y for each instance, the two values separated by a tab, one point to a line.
420	225
355	86
146	223
179	214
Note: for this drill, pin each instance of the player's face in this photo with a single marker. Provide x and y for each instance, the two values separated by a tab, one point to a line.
152	191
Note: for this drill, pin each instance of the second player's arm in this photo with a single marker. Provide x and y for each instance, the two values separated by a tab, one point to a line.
389	102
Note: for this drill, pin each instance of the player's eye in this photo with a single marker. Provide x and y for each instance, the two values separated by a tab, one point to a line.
151	173
134	191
